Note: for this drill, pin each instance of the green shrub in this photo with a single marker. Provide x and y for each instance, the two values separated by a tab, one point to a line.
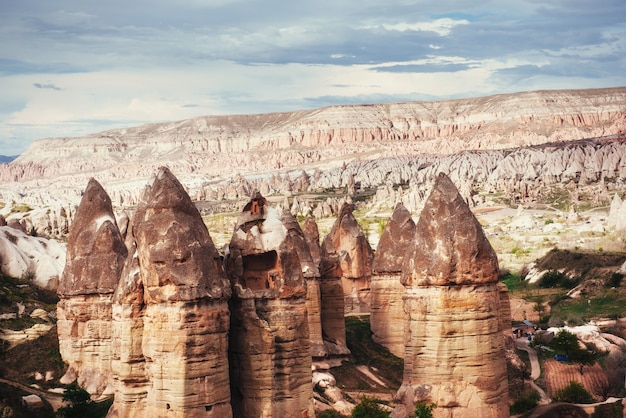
80	404
423	410
553	278
615	280
573	393
368	408
525	402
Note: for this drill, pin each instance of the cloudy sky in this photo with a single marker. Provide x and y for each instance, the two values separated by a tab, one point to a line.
74	67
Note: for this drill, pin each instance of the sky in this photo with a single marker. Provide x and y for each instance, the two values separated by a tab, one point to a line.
73	67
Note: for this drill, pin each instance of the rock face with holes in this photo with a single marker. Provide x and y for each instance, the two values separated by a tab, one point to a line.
455	354
171	312
270	351
95	257
387	316
347	255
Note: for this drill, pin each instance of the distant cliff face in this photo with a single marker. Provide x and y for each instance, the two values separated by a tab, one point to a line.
311	136
499	142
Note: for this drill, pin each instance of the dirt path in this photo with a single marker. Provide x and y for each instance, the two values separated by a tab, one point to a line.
55	399
535	367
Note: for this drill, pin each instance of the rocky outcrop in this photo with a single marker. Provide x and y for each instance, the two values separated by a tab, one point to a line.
455	355
95	257
617	214
37	259
171	312
387	317
314	141
346	254
270	351
311	274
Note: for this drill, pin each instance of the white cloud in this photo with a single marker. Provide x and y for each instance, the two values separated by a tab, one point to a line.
442	26
69	68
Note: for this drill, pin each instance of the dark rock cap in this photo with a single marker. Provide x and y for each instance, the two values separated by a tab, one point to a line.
178	259
95	248
395	241
300	245
450	245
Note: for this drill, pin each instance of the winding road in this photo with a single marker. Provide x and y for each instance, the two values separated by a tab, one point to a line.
535	367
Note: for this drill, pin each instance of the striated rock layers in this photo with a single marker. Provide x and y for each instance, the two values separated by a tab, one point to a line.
171	312
455	355
311	273
270	352
94	262
387	317
347	256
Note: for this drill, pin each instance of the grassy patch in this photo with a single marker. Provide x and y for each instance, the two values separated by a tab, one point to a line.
514	282
367	352
20	208
604	304
14	290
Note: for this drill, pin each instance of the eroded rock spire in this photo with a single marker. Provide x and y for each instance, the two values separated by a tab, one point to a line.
173	306
387	316
455	354
270	352
95	257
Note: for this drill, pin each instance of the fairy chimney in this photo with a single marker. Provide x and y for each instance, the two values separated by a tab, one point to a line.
270	351
171	308
94	262
455	356
387	316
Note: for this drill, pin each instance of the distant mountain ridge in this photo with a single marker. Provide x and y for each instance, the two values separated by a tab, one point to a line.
443	127
215	151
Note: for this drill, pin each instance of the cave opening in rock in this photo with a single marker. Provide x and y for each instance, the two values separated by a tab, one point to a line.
260	271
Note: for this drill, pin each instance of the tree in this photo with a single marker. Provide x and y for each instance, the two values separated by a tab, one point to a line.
567	343
574	393
78	400
368	408
423	410
564	342
79	404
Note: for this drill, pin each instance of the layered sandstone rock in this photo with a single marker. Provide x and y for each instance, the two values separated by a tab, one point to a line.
95	257
172	312
387	317
311	273
347	256
455	355
270	351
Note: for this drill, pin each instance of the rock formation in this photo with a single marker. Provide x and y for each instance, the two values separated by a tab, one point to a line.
270	352
347	256
387	317
171	311
617	214
455	354
37	259
311	273
95	257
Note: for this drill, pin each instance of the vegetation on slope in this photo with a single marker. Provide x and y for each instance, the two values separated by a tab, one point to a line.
365	351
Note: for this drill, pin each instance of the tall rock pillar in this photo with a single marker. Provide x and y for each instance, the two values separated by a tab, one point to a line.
387	318
270	351
311	274
95	258
455	355
173	304
347	255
